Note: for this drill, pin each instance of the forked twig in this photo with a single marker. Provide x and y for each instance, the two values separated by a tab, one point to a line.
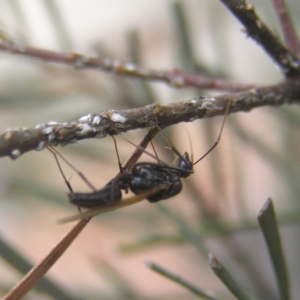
176	78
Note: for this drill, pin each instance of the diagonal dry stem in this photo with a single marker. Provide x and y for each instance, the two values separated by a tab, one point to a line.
37	272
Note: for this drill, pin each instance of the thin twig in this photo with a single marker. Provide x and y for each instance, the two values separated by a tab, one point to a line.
176	78
36	273
257	30
287	26
14	143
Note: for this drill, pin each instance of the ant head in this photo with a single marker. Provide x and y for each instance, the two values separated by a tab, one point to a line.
185	164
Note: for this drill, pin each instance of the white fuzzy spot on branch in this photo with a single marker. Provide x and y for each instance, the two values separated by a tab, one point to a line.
96	120
84	118
51	123
40	146
118	118
8	135
85	129
15	153
47	130
130	67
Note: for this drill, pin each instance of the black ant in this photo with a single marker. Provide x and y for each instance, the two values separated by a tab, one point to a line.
107	197
153	181
147	175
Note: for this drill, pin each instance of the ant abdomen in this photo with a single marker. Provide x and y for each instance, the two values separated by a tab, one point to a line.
105	197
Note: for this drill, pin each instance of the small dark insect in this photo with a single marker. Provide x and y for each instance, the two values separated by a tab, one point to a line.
153	181
146	175
105	197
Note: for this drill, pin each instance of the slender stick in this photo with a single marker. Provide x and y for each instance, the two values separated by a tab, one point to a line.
14	143
287	25
37	272
176	78
260	32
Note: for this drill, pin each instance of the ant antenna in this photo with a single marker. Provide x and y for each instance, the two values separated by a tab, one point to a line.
56	153
220	133
153	148
190	143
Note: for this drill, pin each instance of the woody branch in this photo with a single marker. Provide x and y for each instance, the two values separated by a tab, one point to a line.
14	143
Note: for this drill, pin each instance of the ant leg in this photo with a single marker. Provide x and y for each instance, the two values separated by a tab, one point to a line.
116	148
153	148
55	153
144	151
60	169
171	146
115	181
139	150
220	133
